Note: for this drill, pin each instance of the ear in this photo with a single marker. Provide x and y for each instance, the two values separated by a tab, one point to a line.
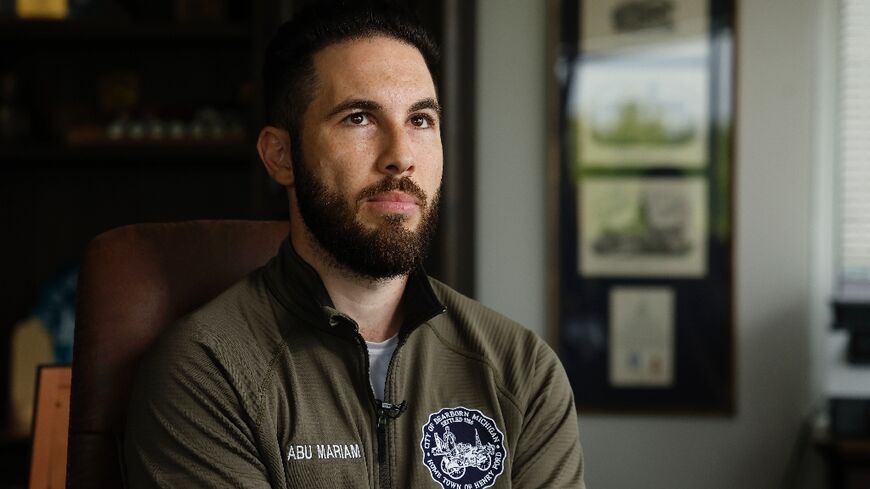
273	144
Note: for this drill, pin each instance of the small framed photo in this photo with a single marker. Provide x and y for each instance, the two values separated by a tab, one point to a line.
613	26
641	337
642	227
628	117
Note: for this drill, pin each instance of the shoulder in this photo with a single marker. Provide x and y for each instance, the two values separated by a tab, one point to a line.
243	313
514	353
478	323
229	342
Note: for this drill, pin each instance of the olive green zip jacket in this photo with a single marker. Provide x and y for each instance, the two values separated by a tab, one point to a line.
267	386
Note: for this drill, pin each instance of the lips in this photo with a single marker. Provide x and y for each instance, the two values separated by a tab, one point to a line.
395	196
394	202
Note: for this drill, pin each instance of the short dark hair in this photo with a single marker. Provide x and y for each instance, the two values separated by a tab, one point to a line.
288	68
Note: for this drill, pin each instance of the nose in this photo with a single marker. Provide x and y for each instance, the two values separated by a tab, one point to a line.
397	157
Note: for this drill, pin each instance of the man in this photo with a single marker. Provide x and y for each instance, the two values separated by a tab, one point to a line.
339	364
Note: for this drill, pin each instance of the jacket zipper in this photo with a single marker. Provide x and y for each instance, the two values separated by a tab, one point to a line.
386	411
383	410
374	402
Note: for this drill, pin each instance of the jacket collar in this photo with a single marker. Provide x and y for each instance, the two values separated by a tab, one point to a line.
298	287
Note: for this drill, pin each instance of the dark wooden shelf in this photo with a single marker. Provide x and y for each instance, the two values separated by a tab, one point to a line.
61	191
169	154
41	31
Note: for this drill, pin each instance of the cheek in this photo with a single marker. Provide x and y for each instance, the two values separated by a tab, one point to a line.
338	163
435	179
330	151
349	143
434	171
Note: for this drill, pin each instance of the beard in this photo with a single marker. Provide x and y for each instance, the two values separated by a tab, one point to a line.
389	250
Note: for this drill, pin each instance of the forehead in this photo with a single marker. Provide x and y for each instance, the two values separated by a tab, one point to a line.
378	68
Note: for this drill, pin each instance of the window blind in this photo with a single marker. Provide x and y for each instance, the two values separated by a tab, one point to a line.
854	139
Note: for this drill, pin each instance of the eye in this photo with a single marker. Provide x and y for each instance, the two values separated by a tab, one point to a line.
422	121
358	119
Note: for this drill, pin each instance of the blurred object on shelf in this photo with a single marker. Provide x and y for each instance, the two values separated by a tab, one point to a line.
208	123
42	9
177	130
15	124
120	92
30	347
199	10
207	126
155	129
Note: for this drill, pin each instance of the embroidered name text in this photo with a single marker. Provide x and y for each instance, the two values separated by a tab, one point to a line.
307	452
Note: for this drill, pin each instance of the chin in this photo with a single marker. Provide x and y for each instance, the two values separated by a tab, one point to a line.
409	222
394	219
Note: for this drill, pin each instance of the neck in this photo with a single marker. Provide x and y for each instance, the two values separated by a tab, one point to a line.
375	305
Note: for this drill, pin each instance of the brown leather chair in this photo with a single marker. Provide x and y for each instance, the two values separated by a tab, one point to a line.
134	282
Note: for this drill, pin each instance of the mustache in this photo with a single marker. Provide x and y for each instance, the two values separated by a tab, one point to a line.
389	184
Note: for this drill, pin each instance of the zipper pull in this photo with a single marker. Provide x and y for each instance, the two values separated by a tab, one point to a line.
393	411
382	439
386	411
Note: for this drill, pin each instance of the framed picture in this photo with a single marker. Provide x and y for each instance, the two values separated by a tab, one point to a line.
642	227
641	260
641	337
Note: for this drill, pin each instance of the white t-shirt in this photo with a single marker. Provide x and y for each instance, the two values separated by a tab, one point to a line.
379	362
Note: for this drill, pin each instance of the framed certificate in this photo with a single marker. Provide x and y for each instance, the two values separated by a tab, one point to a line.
640	172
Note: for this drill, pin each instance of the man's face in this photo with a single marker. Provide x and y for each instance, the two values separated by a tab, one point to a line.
368	173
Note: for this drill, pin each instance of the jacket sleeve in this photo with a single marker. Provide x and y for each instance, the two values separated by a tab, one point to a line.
548	453
185	425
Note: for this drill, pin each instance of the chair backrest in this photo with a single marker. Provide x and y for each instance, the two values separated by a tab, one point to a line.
134	282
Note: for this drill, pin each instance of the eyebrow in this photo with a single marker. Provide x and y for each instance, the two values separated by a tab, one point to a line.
426	103
372	106
355	104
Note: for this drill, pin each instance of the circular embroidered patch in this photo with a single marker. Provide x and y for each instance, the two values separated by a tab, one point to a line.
463	448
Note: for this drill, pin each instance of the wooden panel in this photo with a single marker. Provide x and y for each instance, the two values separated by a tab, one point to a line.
48	465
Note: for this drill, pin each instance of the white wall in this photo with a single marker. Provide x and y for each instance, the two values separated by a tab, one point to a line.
777	363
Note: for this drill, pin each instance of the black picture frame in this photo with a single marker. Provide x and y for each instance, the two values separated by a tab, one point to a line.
593	280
